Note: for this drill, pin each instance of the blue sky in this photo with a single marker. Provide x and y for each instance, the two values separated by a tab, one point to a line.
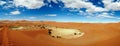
61	10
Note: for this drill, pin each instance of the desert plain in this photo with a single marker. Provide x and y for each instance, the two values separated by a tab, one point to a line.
95	34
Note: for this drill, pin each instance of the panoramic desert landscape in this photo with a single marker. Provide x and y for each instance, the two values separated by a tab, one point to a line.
36	33
59	22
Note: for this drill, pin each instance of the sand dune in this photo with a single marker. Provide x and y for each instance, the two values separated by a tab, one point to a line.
95	35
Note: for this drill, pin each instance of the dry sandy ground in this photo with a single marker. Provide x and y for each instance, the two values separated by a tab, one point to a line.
95	35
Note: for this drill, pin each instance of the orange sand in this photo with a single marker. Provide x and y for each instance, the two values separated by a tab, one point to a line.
95	35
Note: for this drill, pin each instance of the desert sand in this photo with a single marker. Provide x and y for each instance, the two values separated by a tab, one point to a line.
96	34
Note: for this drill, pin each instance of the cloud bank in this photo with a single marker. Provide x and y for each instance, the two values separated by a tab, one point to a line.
109	5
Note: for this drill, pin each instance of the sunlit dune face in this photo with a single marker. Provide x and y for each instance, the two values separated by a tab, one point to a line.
16	27
25	27
66	33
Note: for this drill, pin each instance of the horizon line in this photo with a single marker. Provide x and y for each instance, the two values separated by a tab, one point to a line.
68	21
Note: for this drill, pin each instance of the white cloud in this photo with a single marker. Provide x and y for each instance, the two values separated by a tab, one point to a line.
110	5
55	1
34	4
32	17
51	15
82	4
9	4
90	8
95	9
100	21
15	12
83	13
105	15
2	2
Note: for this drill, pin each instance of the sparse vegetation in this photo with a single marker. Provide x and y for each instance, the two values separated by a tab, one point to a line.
58	36
49	31
53	36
